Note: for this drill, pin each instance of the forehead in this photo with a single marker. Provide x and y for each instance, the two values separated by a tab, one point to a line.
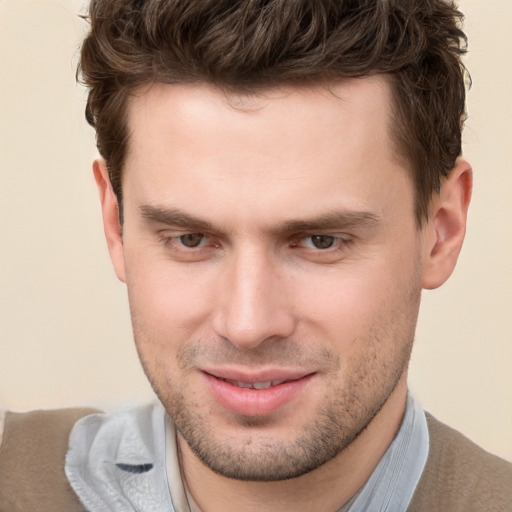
185	110
188	142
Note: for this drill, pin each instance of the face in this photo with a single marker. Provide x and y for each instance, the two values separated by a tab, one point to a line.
273	266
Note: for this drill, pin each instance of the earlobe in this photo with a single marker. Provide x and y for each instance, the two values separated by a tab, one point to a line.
446	227
110	214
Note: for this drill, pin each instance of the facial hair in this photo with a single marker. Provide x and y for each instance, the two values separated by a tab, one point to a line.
346	409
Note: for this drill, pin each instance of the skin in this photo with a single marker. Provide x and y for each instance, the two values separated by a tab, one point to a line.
269	238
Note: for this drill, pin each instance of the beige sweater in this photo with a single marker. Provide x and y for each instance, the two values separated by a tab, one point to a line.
458	477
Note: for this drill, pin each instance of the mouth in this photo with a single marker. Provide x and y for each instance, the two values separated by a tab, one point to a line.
257	385
256	395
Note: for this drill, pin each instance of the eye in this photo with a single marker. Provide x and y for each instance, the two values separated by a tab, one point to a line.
322	241
323	245
189	247
192	240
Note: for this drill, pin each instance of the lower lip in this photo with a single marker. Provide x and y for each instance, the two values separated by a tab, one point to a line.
255	402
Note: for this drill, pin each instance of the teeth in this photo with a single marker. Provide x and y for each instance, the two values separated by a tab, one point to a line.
262	385
247	385
255	385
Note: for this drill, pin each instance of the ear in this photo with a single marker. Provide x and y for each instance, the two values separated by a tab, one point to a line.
110	213
446	227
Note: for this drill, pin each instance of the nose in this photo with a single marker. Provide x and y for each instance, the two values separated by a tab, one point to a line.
253	303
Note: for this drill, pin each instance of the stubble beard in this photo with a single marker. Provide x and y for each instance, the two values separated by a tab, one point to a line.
263	459
343	414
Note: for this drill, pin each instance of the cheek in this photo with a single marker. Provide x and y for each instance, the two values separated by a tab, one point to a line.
345	298
374	303
167	298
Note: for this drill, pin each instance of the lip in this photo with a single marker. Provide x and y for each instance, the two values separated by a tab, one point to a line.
255	402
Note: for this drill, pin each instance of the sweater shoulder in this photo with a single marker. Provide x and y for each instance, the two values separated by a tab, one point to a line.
32	459
461	476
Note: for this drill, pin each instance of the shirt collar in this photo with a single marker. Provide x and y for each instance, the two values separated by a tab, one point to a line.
394	480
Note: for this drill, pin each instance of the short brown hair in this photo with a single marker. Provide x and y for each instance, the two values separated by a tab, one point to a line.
249	45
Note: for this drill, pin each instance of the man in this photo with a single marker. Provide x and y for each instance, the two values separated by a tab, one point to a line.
279	180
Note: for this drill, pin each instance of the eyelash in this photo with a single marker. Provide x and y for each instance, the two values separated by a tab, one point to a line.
168	240
340	243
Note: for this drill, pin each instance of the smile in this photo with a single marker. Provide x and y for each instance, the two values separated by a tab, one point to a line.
253	396
254	385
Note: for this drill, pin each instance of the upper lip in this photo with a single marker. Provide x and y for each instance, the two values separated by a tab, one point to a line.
247	376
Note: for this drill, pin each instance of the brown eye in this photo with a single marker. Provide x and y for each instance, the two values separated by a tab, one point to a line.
191	240
322	241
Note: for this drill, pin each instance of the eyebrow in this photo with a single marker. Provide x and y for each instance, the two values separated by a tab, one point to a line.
175	217
332	220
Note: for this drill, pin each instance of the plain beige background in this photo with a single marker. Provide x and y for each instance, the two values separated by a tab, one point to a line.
65	336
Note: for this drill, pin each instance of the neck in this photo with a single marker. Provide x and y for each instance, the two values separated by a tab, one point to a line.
325	489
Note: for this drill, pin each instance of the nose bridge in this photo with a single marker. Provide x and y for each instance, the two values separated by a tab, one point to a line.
253	306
